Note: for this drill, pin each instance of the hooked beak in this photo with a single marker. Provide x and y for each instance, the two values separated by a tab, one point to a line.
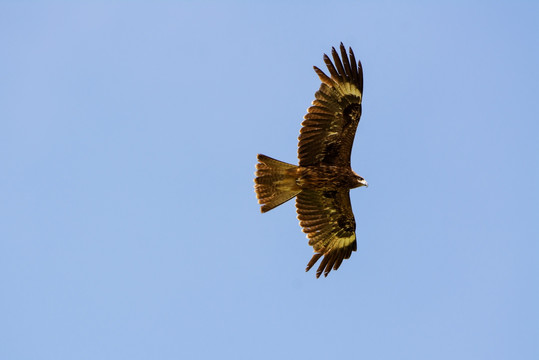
364	183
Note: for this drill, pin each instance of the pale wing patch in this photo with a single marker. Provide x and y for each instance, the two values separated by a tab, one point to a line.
342	242
347	88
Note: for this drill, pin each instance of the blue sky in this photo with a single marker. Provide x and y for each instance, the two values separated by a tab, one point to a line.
129	228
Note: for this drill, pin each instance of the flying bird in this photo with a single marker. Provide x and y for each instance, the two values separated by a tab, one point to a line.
322	181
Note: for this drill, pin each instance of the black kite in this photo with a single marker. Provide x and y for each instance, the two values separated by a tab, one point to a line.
324	177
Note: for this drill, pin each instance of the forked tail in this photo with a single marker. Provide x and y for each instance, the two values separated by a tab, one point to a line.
275	182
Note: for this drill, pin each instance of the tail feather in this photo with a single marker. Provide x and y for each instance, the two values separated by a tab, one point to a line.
275	182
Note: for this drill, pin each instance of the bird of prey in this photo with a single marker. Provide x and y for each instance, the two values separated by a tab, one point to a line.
322	181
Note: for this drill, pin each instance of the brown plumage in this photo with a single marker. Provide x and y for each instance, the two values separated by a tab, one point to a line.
322	181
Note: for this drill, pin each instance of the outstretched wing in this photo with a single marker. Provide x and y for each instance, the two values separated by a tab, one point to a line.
328	220
329	127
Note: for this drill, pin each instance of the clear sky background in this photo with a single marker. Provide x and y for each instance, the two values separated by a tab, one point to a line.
129	228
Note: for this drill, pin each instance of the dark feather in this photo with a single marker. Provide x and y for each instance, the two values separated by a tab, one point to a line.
329	127
328	221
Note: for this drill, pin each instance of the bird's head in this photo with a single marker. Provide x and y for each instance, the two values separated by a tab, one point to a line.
360	181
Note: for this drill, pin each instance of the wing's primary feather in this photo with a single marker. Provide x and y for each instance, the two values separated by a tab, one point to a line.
329	127
327	219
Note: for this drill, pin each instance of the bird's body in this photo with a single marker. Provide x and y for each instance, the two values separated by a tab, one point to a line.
326	177
323	178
